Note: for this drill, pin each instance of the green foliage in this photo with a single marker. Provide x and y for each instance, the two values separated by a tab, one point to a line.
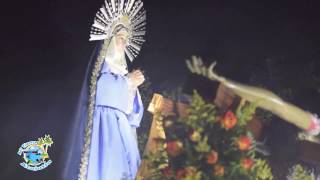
202	146
200	112
262	170
208	144
245	113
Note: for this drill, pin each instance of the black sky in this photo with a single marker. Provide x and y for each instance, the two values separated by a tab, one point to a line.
53	34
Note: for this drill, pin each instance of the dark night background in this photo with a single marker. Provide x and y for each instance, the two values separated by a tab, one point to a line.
45	50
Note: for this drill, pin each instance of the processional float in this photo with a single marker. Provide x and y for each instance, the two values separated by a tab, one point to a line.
228	89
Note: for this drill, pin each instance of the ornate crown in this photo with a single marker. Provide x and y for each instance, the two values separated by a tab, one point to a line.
128	14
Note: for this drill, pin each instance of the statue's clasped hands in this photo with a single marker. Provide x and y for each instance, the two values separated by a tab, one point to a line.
136	77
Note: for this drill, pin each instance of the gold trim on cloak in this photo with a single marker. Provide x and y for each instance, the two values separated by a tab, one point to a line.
92	94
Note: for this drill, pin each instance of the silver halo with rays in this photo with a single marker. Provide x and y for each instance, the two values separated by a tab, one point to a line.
130	14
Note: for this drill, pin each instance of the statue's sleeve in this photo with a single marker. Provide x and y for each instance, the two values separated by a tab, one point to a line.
137	112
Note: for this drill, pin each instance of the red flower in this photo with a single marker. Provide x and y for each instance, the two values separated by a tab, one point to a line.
186	172
218	170
167	172
246	163
174	148
229	120
181	174
244	143
212	157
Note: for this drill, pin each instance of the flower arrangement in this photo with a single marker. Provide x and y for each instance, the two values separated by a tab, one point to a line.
207	144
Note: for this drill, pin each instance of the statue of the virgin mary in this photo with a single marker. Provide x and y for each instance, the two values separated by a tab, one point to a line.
103	142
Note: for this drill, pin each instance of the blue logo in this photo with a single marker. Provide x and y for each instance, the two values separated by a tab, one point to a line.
35	153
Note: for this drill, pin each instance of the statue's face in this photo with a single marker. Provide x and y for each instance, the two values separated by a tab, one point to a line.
121	40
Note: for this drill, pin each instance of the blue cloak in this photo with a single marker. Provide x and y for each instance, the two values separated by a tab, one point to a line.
101	144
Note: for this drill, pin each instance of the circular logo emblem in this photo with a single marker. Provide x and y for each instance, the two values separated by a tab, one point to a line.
35	153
